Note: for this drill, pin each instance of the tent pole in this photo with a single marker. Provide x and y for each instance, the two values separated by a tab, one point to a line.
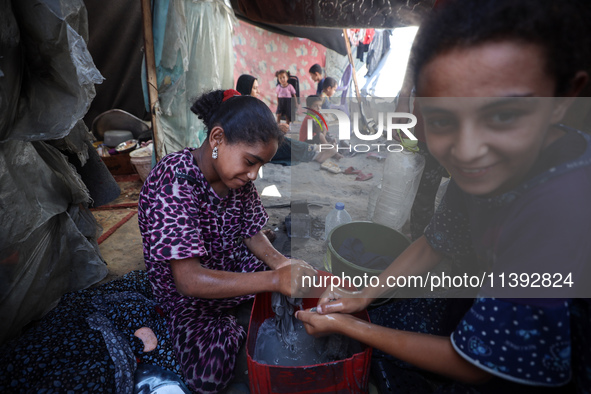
151	73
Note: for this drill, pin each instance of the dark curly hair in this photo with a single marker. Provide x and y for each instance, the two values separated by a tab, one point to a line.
557	26
245	119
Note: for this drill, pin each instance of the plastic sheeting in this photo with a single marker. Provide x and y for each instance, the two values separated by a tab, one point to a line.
48	237
59	74
11	62
193	53
47	242
335	14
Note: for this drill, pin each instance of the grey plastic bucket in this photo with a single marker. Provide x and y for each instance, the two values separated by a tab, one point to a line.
376	238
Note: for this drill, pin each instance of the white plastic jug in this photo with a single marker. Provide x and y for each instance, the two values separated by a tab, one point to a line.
402	174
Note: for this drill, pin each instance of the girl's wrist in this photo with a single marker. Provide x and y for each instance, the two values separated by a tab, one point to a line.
281	262
343	327
275	281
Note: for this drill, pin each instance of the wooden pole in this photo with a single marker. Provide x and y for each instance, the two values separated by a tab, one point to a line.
151	73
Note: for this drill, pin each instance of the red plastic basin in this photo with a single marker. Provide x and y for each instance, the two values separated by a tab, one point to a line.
350	375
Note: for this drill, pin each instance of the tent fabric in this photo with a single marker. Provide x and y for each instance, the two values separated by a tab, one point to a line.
194	54
116	44
118	52
335	14
329	38
60	74
11	64
261	53
48	238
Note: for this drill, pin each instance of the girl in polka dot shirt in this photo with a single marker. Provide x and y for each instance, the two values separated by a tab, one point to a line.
493	79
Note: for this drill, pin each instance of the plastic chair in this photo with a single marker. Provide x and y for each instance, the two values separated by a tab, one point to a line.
344	88
345	80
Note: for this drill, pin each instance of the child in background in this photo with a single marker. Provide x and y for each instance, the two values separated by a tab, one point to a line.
329	87
316	75
313	102
493	78
285	93
320	134
289	151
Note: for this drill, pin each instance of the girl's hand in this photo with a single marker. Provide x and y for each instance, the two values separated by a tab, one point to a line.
290	277
341	301
319	325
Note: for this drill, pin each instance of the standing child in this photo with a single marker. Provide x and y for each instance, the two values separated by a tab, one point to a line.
494	78
285	93
201	218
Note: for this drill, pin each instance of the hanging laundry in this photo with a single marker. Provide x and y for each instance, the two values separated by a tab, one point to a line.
366	37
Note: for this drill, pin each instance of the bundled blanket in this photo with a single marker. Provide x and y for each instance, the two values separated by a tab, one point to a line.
87	342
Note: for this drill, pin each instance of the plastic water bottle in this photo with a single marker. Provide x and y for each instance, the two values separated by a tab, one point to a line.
335	218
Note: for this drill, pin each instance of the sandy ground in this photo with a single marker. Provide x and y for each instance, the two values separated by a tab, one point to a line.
321	189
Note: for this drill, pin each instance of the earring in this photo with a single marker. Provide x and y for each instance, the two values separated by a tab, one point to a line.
214	153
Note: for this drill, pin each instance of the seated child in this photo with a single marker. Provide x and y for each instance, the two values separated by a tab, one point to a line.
193	208
329	87
320	134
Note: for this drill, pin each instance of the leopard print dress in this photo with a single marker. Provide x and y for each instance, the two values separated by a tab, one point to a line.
180	216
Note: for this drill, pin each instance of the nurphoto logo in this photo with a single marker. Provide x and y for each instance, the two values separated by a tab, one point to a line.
389	122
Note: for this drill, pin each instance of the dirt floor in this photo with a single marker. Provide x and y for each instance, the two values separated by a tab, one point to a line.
321	190
120	243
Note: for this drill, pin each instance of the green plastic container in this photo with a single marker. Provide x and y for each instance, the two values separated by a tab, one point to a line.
376	238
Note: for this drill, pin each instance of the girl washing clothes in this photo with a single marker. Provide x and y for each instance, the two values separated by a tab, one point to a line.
201	218
494	79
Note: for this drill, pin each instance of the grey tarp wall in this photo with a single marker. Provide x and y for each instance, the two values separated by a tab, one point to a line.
47	235
116	43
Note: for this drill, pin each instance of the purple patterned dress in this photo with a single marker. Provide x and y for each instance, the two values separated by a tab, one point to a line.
180	216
